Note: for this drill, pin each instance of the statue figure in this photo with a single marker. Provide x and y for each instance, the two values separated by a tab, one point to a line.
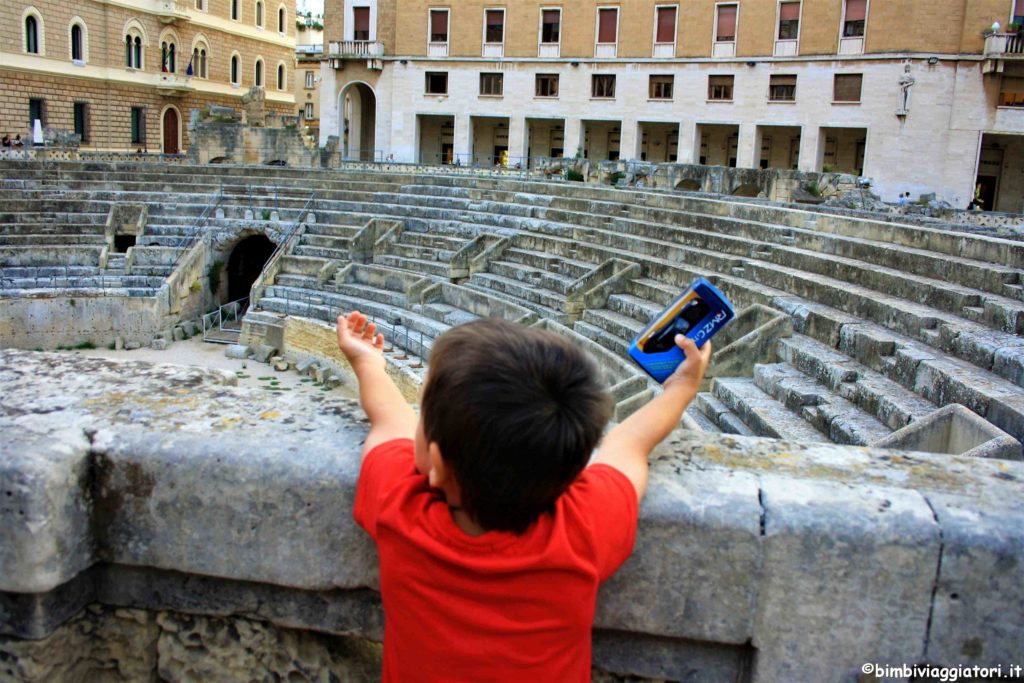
906	83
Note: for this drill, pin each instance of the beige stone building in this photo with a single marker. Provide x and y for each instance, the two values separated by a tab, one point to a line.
919	96
124	74
309	51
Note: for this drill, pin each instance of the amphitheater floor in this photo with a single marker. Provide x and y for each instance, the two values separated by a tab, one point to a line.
250	373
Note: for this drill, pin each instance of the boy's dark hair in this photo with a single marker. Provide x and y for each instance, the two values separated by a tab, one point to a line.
516	412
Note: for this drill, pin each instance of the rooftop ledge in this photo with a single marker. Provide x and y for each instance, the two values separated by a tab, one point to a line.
119	480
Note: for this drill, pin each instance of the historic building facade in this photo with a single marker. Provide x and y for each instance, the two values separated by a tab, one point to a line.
124	74
919	96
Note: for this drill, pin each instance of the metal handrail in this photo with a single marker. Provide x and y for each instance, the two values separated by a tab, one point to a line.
233	309
255	293
184	242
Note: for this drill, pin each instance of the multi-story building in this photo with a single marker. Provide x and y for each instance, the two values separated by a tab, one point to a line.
124	74
309	51
920	96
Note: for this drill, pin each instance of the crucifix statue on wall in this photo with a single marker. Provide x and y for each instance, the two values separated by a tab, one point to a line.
906	83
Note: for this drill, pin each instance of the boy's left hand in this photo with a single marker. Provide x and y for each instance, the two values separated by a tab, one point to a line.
359	341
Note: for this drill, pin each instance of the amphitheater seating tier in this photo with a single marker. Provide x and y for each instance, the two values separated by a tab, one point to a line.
891	320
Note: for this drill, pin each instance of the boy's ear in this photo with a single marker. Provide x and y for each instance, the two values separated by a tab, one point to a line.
438	468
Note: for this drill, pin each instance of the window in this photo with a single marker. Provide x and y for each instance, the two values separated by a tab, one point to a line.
308	114
491	84
234	69
782	89
1011	88
133	50
280	20
847	88
661	87
138	125
789	21
234	10
726	24
1018	12
361	23
82	120
607	25
77	44
665	25
550	26
602	86
439	26
258	73
494	28
310	79
167	57
437	83
259	13
198	66
280	76
720	88
853	20
547	85
31	35
36	111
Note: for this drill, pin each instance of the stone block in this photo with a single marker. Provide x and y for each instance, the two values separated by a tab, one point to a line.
954	430
263	352
280	365
132	345
238	351
864	557
303	366
158	344
119	343
179	334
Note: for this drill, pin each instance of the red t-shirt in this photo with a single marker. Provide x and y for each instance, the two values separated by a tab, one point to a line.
496	607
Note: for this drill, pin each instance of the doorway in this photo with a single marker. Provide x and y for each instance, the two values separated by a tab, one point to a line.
172	131
246	263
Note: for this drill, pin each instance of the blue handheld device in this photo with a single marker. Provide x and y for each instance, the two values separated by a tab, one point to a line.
699	313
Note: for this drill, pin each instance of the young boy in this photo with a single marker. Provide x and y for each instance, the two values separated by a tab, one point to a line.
493	532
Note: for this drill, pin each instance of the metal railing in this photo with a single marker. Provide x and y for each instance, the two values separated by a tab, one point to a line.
230	312
286	245
186	241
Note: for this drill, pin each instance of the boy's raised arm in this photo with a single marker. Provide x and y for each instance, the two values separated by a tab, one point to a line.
391	416
629	443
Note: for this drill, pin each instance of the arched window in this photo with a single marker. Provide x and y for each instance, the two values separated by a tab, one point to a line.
199	61
259	72
280	20
133	43
31	35
77	44
167	54
234	69
234	9
259	14
280	76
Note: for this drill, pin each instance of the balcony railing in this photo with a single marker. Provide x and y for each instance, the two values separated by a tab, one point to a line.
355	49
1004	45
174	85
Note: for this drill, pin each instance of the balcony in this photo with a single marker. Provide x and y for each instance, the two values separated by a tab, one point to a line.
174	85
1000	48
170	11
371	50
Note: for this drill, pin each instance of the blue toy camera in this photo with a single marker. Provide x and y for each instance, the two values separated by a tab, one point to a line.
699	313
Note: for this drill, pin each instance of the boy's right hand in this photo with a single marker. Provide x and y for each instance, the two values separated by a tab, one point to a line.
359	341
691	371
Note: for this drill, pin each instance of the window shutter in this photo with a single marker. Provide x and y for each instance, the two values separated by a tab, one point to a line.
856	10
85	121
783	80
142	125
439	23
606	25
361	19
847	87
720	80
726	22
789	11
551	16
666	24
495	18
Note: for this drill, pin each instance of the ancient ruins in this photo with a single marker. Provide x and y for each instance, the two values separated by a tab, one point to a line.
848	488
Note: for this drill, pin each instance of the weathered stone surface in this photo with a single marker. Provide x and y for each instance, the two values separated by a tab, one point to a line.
263	352
159	344
238	351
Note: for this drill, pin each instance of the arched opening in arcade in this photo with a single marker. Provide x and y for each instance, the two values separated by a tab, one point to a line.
358	122
246	263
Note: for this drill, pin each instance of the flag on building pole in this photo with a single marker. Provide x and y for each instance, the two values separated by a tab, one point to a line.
188	71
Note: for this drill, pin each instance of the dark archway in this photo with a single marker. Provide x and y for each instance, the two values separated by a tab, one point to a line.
746	190
246	263
688	185
358	122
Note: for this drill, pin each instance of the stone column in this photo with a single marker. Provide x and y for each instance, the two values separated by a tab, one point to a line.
573	136
463	133
745	146
689	146
517	140
811	148
328	102
629	140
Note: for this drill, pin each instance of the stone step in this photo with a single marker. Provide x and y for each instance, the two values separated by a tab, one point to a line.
826	411
597	334
719	415
446	314
894	405
440	269
572	269
705	423
529	276
423	253
762	413
543	304
633	307
620	327
321	252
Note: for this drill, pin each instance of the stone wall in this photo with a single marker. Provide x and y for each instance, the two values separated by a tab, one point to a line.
48	322
215	510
